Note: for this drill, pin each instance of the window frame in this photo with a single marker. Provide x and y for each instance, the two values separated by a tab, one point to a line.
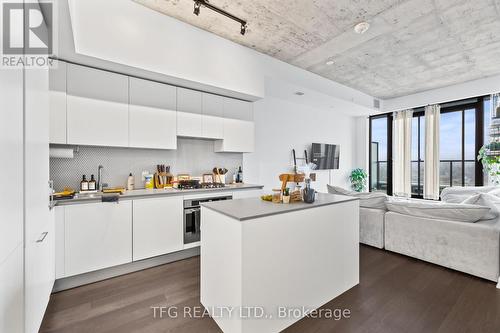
476	103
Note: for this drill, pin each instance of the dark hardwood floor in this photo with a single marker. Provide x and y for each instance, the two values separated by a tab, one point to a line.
396	294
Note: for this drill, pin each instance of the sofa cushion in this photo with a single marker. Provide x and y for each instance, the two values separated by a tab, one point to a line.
439	210
376	200
487	200
457	194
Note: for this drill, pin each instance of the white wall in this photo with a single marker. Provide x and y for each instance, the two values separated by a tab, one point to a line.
127	33
455	92
282	126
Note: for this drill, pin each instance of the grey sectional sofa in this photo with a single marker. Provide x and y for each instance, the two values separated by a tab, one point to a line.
472	248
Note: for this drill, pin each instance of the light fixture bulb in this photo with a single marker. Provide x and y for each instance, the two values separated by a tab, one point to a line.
362	27
329	62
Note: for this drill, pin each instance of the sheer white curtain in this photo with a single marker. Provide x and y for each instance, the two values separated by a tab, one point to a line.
401	153
431	162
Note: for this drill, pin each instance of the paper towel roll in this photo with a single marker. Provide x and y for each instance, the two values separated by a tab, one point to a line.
61	153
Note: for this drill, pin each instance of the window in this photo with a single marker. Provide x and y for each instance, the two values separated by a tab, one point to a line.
464	128
380	169
457	148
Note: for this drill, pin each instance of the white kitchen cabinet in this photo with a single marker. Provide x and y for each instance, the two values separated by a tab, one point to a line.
189	108
157	226
239	136
189	124
153	118
57	106
238	109
59	243
12	292
212	127
212	118
97	107
189	101
97	236
39	275
245	194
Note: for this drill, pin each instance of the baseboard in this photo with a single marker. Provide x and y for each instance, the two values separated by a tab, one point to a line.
498	284
103	274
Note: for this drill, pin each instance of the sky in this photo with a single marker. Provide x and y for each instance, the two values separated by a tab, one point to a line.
450	135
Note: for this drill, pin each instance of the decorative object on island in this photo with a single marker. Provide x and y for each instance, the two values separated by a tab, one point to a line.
309	193
286	196
358	179
277	196
285	178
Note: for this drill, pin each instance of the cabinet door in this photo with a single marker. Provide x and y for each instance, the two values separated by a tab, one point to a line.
189	100
244	194
97	236
57	111
39	275
153	119
158	227
238	109
212	121
11	292
97	112
238	137
189	124
212	127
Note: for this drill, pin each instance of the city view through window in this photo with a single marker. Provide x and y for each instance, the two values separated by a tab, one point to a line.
458	149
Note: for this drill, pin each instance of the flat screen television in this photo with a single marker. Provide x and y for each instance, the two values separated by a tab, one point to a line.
325	156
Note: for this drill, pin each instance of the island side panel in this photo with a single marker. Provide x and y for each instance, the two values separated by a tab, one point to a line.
304	258
220	272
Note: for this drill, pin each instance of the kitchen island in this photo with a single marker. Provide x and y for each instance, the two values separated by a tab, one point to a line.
264	266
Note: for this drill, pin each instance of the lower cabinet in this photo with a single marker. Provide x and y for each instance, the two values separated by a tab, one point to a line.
39	274
157	226
97	236
244	194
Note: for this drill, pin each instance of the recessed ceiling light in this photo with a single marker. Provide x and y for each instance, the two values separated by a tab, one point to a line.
362	27
299	93
329	62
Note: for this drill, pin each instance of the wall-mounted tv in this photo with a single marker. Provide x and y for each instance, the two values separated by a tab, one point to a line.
325	156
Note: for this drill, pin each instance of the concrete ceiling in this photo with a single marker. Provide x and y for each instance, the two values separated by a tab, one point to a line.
412	45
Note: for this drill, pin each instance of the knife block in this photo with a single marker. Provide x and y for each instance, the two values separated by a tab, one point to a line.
163	180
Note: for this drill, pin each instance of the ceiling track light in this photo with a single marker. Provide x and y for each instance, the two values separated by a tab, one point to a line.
206	4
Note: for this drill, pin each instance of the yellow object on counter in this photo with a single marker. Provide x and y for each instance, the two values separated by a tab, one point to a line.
119	190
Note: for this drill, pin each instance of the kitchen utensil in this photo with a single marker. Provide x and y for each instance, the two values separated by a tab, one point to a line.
118	190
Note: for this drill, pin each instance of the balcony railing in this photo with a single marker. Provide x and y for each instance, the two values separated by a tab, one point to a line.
450	174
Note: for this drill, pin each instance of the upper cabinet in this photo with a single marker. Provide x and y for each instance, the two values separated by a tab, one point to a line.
152	115
239	137
97	107
212	117
237	109
57	107
189	106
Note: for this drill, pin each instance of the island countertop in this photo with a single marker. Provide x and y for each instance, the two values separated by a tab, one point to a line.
252	208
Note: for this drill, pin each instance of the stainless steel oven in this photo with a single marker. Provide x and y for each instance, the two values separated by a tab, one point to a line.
192	217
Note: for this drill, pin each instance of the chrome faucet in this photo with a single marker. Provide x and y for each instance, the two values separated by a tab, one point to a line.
99	177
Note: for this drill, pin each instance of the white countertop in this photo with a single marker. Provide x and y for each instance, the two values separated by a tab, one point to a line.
252	208
145	193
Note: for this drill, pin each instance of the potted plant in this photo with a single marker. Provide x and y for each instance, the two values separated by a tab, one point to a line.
286	195
491	163
358	179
